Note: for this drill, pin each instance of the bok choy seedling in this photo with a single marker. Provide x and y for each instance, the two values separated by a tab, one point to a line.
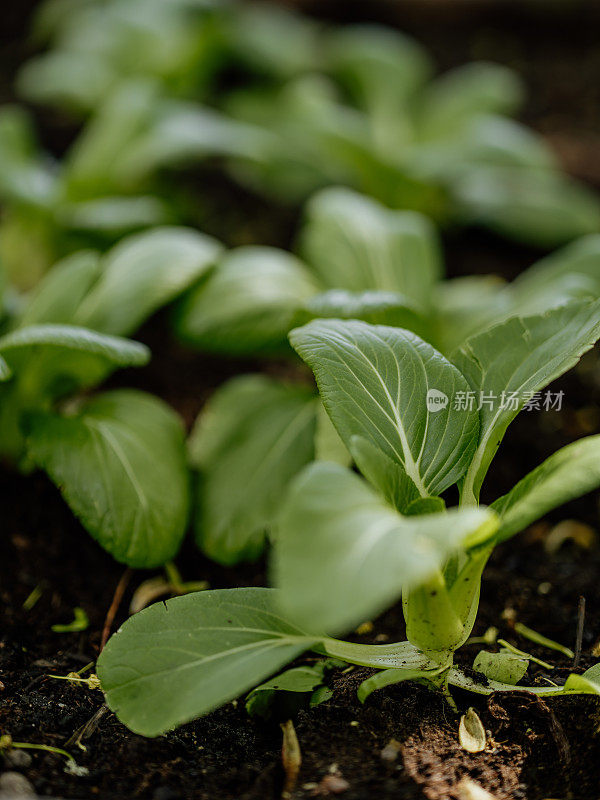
320	105
356	259
347	545
118	457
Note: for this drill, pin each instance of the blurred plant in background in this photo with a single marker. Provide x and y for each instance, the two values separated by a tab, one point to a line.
285	104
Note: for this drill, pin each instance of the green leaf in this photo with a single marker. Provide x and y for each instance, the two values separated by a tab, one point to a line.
542	640
142	273
375	307
426	505
5	371
520	357
581	258
80	623
376	383
113	215
25	175
384	474
182	132
540	207
570	472
355	243
470	305
274	40
63	78
463	307
389	677
253	438
120	464
298	680
249	302
328	445
175	661
92	167
457	96
399	655
377	65
54	359
60	292
588	683
503	666
342	554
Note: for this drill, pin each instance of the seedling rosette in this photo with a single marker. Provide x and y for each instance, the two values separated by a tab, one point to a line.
347	546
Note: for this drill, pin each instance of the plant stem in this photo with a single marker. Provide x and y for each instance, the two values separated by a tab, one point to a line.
114	606
517	652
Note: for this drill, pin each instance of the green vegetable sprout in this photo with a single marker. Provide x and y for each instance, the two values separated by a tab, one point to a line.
118	457
346	546
319	105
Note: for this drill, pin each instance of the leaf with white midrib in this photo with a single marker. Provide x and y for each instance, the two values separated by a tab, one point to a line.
120	464
518	356
253	437
569	473
374	382
177	660
342	554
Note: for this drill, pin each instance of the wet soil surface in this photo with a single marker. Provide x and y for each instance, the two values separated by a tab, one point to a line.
403	742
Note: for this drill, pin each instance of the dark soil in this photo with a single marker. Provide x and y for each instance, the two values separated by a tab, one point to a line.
536	749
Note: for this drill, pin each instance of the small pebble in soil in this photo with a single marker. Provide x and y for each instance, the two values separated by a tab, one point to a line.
13	785
391	751
17	759
331	784
364	628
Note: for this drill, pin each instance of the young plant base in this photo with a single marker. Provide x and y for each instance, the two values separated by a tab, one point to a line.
346	548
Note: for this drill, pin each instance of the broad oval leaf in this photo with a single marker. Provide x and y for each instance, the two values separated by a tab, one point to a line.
91	168
394	390
25	175
120	465
342	554
507	364
355	243
59	294
274	40
181	132
385	474
114	215
54	359
453	99
541	207
567	474
377	64
65	78
142	273
375	307
328	445
504	666
249	302
580	258
253	437
175	661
